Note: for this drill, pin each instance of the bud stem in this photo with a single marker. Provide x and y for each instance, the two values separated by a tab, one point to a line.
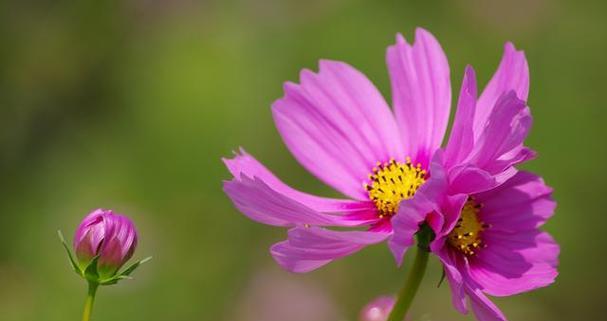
415	276
90	299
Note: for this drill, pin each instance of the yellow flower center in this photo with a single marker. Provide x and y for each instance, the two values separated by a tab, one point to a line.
466	235
392	182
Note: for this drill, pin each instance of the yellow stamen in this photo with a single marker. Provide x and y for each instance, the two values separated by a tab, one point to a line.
392	182
466	235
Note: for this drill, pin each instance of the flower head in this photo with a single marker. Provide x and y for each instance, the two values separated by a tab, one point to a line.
340	128
103	243
110	237
484	212
491	243
485	144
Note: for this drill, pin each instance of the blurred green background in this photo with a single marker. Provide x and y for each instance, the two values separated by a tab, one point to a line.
131	104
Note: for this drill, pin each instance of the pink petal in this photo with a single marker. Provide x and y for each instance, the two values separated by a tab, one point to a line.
245	164
254	198
406	223
112	258
307	249
512	74
91	228
337	125
421	93
450	209
522	203
455	279
483	308
461	140
512	264
499	145
413	212
469	179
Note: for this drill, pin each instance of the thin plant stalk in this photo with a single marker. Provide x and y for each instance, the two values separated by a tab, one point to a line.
415	276
90	300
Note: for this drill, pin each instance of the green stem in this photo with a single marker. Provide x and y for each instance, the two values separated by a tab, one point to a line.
90	300
415	276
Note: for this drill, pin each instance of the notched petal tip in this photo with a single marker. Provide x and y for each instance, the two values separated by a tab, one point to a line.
237	162
324	64
469	69
289	86
400	39
305	75
420	33
510	49
469	82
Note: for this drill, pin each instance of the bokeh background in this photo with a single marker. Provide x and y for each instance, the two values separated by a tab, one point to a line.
131	104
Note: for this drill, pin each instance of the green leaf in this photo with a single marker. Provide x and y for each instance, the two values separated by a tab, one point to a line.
134	266
69	254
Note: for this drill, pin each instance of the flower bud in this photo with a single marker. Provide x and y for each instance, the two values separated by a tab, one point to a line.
378	309
110	237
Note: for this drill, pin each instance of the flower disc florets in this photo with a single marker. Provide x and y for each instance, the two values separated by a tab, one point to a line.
392	182
466	236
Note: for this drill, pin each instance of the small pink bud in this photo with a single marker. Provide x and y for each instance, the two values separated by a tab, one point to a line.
110	236
378	309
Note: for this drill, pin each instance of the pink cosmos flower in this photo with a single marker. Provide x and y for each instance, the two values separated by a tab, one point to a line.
339	127
484	213
488	242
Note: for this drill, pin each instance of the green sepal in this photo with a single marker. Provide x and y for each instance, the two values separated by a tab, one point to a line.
442	278
124	274
134	266
425	236
90	272
69	254
113	280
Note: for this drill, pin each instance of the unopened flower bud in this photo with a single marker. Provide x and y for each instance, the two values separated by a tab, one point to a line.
110	237
104	242
378	309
